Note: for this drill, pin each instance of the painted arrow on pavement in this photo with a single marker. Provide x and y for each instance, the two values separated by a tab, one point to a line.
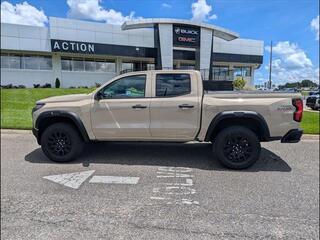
74	180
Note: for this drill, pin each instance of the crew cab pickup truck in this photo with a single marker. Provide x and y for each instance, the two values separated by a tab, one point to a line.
167	106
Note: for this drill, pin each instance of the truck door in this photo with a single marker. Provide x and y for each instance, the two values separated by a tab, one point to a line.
175	106
123	110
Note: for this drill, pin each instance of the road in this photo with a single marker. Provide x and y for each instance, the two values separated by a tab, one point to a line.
182	193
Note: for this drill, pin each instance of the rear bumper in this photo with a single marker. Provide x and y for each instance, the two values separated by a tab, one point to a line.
293	136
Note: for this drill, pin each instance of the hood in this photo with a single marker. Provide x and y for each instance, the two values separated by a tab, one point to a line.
65	98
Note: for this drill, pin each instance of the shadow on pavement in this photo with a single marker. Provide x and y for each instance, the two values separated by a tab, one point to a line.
196	155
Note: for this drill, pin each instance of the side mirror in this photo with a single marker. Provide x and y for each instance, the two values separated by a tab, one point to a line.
98	96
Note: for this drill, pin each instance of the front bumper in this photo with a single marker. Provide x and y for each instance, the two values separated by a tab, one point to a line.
293	136
36	134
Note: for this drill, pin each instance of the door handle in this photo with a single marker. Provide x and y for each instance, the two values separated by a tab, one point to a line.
139	106
186	106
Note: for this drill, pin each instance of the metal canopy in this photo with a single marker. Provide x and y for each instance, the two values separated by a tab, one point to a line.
147	23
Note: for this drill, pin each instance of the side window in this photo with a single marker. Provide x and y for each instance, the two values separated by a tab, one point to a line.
127	87
170	85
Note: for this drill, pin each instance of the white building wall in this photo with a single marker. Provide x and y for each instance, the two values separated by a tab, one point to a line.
84	31
166	42
24	38
205	48
238	46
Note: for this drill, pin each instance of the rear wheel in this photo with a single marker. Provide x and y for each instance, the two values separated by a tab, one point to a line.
237	147
61	142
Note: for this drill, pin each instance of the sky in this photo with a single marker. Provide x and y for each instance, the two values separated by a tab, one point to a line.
292	25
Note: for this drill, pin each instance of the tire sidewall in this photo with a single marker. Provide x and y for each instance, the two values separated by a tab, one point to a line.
73	135
252	138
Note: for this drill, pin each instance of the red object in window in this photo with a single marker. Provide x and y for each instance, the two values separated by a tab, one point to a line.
297	115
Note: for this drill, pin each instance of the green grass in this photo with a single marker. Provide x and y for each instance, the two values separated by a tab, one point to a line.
16	104
310	122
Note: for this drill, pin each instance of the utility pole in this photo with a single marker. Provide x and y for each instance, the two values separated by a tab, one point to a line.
270	67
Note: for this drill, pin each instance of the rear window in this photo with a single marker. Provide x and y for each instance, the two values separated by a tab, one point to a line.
170	85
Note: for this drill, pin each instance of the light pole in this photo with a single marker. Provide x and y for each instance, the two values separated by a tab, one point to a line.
270	67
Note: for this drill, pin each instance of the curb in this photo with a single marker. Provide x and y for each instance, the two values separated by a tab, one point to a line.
19	131
15	131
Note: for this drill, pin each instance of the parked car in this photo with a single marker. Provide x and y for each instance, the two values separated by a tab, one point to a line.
313	101
168	106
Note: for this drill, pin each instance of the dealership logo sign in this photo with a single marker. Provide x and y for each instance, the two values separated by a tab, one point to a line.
186	36
70	46
186	31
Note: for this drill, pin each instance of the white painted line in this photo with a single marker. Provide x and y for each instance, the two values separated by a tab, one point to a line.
72	180
157	198
114	180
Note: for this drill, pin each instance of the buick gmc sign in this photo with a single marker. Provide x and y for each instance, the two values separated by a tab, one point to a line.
186	36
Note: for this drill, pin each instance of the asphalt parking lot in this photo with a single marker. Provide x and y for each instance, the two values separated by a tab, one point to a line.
167	191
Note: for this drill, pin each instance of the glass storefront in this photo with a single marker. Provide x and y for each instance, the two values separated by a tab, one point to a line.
88	65
24	61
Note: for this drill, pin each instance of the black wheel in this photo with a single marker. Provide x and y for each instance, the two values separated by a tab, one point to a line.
61	142
237	147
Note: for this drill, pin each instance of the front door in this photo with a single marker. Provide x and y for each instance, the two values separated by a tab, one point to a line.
175	107
123	110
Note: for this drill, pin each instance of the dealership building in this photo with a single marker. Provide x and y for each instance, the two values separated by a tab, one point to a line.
83	53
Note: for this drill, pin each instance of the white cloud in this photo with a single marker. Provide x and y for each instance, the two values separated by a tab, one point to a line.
291	64
91	9
201	11
22	13
315	26
166	5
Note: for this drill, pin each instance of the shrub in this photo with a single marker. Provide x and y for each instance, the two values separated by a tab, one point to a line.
36	85
239	83
47	85
57	83
98	85
9	86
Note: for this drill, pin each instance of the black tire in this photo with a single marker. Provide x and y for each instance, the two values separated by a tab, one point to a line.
61	142
237	147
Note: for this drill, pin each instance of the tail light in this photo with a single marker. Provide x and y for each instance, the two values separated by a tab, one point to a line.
298	103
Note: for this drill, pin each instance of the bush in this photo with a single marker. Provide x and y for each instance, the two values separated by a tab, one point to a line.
239	83
98	85
47	85
57	83
36	85
9	86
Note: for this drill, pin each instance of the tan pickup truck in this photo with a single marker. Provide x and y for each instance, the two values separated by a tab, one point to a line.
168	106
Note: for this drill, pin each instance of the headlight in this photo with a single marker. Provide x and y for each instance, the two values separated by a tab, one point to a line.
37	107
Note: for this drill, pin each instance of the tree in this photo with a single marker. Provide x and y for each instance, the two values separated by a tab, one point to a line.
308	83
239	83
57	84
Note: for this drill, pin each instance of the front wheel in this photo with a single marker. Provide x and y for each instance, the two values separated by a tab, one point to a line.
237	147
61	142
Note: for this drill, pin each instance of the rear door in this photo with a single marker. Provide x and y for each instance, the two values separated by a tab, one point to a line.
174	106
124	111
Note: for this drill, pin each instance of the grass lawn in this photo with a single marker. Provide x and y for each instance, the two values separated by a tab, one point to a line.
16	104
310	122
